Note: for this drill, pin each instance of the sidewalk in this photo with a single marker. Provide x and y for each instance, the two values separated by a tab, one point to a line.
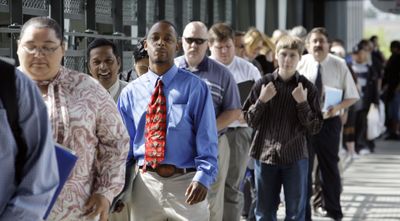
371	186
371	190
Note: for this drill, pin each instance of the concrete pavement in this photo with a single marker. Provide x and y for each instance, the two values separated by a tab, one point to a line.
371	186
371	190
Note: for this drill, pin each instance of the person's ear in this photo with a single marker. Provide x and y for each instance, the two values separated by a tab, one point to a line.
119	61
145	44
178	45
63	48
88	66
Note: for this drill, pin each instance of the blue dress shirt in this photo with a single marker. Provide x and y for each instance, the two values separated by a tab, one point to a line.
191	125
30	199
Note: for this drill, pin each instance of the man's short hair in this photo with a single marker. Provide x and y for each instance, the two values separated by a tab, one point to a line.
220	32
319	30
165	22
140	53
290	42
100	42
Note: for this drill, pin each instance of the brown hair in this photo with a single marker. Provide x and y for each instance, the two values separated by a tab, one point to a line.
290	42
220	32
319	30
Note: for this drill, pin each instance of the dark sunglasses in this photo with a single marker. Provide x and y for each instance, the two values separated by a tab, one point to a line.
198	41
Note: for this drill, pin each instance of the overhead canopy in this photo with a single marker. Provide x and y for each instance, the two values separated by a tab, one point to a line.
391	6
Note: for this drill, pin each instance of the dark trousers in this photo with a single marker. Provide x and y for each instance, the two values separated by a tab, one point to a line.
325	145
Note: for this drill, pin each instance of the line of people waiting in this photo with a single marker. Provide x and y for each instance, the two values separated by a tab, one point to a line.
174	143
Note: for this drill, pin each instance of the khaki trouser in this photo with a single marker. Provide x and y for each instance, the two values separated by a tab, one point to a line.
216	193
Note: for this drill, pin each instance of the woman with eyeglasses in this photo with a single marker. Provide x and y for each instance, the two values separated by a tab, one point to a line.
84	119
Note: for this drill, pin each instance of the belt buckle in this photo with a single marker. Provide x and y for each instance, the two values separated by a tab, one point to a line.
165	170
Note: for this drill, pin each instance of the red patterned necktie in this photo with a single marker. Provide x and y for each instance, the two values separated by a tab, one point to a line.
155	128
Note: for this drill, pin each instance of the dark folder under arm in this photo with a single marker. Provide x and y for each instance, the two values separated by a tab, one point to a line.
244	90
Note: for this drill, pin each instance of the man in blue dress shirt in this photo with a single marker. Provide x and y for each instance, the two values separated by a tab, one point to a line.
30	198
177	188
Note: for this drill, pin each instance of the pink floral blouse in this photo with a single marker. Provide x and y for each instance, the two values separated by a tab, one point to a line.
84	118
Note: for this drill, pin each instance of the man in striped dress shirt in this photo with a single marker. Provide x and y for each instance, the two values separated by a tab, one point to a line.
283	108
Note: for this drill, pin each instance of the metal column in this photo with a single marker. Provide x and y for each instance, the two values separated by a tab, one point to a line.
196	10
56	12
118	27
141	18
16	21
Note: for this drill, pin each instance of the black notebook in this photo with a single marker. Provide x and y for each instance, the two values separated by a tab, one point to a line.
244	90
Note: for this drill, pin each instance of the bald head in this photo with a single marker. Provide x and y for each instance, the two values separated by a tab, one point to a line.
195	29
194	43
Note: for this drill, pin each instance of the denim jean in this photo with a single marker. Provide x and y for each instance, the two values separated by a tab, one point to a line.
270	178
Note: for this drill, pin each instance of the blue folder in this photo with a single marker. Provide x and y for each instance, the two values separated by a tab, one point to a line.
66	160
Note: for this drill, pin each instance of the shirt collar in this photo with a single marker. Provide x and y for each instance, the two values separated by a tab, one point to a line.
203	66
166	78
113	90
325	61
295	77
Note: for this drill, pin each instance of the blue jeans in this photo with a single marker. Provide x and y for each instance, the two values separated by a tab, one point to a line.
270	178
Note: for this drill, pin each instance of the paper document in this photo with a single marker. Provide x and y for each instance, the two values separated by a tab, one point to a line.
333	96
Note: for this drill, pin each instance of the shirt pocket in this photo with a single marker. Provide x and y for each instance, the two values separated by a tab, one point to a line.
7	141
176	115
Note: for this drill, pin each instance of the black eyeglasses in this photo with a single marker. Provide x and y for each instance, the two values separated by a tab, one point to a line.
197	41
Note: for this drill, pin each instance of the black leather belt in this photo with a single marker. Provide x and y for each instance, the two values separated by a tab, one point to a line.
167	170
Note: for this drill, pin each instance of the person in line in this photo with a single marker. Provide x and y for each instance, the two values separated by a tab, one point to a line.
299	31
283	109
140	59
221	44
19	199
239	44
140	63
253	44
391	88
348	117
84	118
367	83
266	58
376	52
171	122
104	64
223	88
327	70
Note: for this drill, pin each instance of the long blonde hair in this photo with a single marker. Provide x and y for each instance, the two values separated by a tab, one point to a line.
251	39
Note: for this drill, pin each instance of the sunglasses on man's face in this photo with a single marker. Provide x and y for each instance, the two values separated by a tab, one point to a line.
197	41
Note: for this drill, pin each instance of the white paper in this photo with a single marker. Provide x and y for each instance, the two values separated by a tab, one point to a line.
333	96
